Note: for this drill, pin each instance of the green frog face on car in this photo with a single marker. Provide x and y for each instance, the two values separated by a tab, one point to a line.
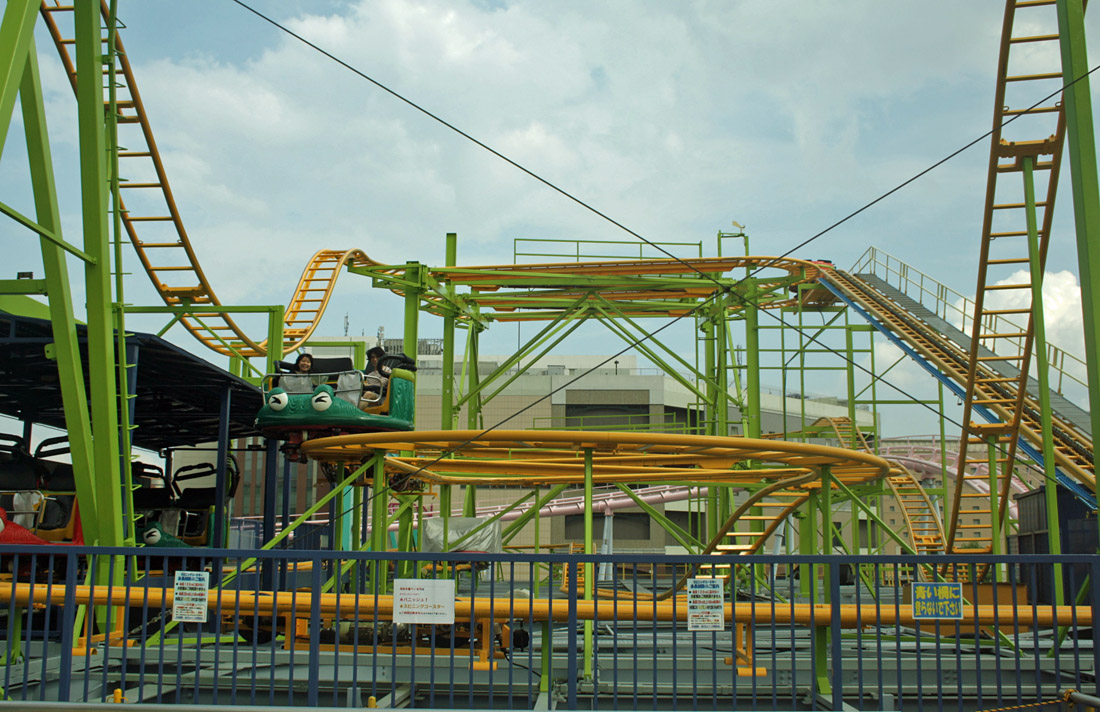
320	410
321	407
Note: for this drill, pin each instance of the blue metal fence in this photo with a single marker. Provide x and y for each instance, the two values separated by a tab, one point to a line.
304	628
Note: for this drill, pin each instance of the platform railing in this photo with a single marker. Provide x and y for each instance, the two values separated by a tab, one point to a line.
958	310
472	630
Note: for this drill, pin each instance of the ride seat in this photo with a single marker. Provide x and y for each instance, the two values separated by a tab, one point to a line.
58	520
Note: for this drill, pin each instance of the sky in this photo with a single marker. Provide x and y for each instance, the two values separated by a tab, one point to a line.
675	119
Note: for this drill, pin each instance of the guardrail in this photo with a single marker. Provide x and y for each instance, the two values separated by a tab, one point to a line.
82	625
956	309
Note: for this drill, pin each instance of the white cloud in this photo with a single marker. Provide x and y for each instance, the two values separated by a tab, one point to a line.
673	118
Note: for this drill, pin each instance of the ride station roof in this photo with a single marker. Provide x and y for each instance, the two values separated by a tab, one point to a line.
178	394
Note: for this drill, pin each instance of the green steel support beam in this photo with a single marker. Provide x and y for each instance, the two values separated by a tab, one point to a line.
405	541
379	499
104	394
710	404
721	372
16	44
822	633
1038	323
23	286
752	362
473	406
612	318
711	398
45	233
66	349
1081	147
850	366
906	547
445	512
533	514
413	271
682	537
472	399
994	499
491	520
807	541
447	413
568	326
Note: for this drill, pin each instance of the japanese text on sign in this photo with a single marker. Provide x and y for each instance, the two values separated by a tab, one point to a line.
937	600
423	601
189	601
706	604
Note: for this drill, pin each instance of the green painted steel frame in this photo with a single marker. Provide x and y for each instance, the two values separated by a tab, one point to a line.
19	74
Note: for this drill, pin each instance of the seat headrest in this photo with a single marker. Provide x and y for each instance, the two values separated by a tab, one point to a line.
332	365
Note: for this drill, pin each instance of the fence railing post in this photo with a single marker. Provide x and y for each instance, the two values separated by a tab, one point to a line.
834	631
571	671
1094	598
68	623
315	632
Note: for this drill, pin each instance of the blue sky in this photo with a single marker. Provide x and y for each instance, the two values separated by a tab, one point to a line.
673	118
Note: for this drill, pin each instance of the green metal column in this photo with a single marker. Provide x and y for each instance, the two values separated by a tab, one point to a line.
95	211
850	351
413	290
1081	147
807	541
448	396
721	368
16	42
752	361
822	632
473	411
65	349
379	510
994	501
446	412
1038	323
275	322
710	348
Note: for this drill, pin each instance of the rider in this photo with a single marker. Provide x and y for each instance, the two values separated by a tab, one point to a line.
375	378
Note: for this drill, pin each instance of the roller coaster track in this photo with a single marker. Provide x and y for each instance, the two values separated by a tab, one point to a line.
951	363
1005	245
158	235
918	513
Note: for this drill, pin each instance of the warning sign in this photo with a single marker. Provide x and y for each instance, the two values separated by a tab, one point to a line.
937	600
189	602
706	604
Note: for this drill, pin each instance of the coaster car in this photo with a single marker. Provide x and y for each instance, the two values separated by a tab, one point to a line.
335	402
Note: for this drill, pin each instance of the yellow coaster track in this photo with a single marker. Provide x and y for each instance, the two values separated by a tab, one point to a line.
1039	134
168	255
1072	448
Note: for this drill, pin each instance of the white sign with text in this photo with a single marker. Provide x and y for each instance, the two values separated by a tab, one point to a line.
706	604
189	602
423	601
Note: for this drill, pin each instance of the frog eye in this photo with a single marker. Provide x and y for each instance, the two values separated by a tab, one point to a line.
277	399
322	398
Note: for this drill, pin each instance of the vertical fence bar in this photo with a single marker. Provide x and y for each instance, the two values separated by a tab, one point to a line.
1094	600
315	631
571	656
835	630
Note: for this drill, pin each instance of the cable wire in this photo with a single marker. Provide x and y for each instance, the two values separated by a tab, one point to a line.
724	289
471	139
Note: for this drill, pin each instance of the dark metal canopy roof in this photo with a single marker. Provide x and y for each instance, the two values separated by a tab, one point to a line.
179	395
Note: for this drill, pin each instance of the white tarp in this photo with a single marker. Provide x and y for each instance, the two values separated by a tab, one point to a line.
487	540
